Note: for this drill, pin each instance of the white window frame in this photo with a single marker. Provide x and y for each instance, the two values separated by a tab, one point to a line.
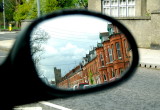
126	5
118	50
121	71
110	53
102	59
113	73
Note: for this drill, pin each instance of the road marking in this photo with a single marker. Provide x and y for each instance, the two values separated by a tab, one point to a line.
28	108
7	32
6	38
54	105
2	56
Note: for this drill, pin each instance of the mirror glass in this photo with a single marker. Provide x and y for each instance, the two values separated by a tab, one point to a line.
79	51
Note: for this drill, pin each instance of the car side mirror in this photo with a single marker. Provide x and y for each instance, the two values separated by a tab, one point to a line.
70	52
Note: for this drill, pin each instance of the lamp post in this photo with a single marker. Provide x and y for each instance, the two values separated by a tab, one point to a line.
38	8
4	18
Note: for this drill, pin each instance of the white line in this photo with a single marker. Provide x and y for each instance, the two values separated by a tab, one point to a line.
2	56
54	105
28	108
7	32
6	38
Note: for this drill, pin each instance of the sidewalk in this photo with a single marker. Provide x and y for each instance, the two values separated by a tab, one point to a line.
6	44
4	32
148	58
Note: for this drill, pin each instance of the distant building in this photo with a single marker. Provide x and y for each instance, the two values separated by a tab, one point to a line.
71	78
57	74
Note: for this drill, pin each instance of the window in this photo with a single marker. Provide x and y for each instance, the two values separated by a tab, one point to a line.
113	52
121	71
116	72
118	50
104	77
119	8
110	55
114	11
113	74
126	47
101	60
107	2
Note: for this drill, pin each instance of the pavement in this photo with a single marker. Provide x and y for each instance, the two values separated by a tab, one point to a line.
149	58
6	44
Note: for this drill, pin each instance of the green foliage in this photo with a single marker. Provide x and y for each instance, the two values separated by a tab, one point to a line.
66	3
27	9
48	6
91	77
9	10
22	12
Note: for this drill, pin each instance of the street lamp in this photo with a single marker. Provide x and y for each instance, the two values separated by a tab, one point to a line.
38	8
4	16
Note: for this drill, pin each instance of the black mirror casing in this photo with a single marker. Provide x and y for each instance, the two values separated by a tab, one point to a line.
19	80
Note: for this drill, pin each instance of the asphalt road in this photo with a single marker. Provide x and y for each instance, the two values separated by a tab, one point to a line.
7	35
141	92
3	55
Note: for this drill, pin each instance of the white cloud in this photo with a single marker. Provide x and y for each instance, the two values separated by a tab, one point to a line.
50	50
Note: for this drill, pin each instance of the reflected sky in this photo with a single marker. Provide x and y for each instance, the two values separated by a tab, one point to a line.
70	39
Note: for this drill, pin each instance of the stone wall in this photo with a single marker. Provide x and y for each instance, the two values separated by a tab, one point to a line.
25	23
144	29
95	5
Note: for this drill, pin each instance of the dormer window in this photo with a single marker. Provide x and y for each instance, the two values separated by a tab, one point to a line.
110	30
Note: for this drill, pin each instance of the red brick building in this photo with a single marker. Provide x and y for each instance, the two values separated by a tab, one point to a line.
104	63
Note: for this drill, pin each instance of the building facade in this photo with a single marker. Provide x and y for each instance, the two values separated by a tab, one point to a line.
141	17
104	63
57	74
124	8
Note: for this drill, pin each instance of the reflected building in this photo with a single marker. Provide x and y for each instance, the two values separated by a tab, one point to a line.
72	78
57	74
113	54
103	63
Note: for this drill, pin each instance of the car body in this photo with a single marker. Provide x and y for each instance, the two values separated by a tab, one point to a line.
86	86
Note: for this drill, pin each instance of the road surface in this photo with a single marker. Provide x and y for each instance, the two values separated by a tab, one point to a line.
6	36
141	92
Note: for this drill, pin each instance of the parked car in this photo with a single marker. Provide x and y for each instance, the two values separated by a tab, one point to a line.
81	85
75	87
86	86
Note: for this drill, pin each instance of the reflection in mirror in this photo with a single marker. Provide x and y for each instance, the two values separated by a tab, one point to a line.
79	51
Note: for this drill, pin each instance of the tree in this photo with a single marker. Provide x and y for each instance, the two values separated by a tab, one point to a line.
90	74
82	3
28	9
48	6
9	8
38	38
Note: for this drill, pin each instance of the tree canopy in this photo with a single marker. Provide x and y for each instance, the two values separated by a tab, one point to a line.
28	8
17	10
